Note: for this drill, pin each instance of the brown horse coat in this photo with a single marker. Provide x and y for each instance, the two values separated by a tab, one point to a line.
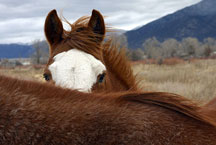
210	109
34	113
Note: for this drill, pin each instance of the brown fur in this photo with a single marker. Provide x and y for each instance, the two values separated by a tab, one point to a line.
35	113
210	109
119	75
117	62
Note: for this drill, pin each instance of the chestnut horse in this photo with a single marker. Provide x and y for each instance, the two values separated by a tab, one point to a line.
39	113
79	59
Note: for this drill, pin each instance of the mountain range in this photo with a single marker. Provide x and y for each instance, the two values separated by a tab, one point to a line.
197	21
15	51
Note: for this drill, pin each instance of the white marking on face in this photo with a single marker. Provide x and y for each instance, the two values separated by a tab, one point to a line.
76	69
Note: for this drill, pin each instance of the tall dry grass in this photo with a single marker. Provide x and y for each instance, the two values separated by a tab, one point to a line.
25	73
195	80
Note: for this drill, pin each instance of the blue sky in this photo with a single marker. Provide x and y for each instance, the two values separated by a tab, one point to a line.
22	21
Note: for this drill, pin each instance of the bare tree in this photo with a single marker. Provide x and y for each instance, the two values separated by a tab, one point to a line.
210	43
207	51
137	54
170	48
152	48
189	45
40	54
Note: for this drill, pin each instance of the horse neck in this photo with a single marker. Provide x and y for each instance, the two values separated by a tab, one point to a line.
119	71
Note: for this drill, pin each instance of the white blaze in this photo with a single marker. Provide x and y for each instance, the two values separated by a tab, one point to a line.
76	69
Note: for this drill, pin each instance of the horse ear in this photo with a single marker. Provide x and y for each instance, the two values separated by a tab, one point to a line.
96	23
53	27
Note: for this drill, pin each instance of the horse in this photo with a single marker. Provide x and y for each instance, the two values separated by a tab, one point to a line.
40	113
80	59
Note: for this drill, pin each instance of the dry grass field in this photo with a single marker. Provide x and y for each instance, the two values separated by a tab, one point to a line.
26	73
195	80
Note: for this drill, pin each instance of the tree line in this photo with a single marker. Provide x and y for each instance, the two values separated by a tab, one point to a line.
151	49
185	49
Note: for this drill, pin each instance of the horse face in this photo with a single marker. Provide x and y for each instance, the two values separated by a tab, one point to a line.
76	69
71	64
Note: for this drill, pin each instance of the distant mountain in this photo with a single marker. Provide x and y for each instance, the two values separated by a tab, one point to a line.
197	21
15	51
115	32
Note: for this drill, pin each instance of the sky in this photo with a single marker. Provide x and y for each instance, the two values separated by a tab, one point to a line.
22	21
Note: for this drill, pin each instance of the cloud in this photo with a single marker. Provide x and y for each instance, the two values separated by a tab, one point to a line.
22	21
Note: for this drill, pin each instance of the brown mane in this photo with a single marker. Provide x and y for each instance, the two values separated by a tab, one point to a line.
209	109
79	40
117	62
172	102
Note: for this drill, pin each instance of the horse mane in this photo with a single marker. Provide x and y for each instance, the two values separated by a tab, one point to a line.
171	102
82	38
116	60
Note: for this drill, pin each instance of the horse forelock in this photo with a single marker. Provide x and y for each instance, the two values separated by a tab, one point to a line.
83	38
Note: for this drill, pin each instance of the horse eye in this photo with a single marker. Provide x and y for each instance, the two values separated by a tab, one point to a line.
101	77
79	29
46	77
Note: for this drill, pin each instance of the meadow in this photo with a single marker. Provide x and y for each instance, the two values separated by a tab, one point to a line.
195	80
34	73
